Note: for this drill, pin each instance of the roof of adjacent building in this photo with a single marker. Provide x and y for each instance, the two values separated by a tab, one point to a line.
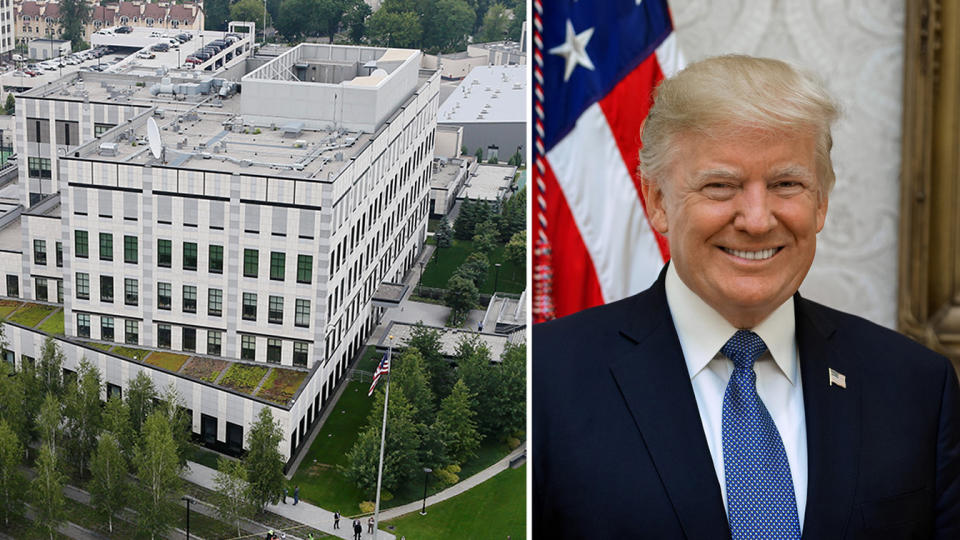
488	94
128	9
181	13
154	10
29	8
52	10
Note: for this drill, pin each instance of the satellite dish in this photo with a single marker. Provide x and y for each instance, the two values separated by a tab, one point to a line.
153	137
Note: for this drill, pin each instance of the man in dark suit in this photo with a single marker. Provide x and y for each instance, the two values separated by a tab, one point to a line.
719	403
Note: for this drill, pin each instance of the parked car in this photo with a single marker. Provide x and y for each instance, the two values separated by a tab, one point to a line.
193	60
146	55
124	30
160	47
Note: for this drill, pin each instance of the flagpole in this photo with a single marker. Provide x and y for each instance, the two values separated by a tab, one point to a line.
383	439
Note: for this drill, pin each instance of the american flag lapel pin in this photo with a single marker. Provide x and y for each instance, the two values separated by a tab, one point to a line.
837	378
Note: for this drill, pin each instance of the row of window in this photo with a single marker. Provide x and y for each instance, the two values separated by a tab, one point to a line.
251	257
40	253
131	328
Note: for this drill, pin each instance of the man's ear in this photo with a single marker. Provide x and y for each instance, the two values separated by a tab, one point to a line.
654	199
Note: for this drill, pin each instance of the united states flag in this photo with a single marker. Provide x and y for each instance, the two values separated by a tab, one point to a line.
382	369
595	66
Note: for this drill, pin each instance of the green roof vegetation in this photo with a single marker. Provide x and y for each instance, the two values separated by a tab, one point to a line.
31	314
53	324
167	360
243	378
281	385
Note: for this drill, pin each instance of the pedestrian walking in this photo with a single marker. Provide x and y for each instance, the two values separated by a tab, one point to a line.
284	494
357	529
296	495
336	519
370	525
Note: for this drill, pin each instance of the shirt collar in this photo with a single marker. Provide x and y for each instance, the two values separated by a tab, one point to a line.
703	331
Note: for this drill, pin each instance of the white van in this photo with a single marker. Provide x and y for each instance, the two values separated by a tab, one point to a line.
17	58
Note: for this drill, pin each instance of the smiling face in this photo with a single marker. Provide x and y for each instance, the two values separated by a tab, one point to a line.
741	212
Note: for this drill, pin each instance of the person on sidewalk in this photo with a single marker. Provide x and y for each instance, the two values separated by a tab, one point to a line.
357	529
336	519
296	495
284	494
370	525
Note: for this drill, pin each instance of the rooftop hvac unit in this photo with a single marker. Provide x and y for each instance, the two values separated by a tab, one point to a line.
108	149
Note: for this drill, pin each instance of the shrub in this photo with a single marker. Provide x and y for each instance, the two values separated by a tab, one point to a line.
448	475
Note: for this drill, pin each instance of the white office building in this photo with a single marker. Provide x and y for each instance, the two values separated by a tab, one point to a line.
253	231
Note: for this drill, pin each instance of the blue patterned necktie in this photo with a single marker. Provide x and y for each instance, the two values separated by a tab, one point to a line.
760	497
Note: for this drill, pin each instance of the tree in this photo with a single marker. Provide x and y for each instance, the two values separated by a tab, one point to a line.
11	479
473	365
516	159
116	420
479	153
46	492
389	29
440	372
174	409
493	160
11	104
355	19
74	16
485	237
410	375
400	459
12	402
263	462
83	415
158	474
328	14
216	14
475	268
248	10
50	368
291	21
464	150
140	397
446	25
108	482
49	422
456	426
495	25
508	402
462	295
233	492
444	233
514	216
516	251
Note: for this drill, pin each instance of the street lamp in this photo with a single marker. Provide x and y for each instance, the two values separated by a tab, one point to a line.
426	471
496	277
189	500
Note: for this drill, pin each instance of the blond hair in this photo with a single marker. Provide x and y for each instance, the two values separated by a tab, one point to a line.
713	96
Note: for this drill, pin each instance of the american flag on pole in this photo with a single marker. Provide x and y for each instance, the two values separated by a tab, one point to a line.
382	369
596	63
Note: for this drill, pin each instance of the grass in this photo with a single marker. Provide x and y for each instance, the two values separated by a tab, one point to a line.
201	455
206	369
445	262
493	509
130	352
53	324
281	385
243	378
20	527
101	346
7	306
167	360
31	314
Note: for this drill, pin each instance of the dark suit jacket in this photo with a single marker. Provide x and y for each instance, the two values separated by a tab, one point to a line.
619	449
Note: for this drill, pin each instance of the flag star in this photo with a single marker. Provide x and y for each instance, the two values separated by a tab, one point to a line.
574	50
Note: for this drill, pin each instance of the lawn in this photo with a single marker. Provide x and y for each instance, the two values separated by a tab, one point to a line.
205	369
201	455
445	262
130	352
243	378
53	324
7	306
167	360
31	314
281	385
493	509
323	484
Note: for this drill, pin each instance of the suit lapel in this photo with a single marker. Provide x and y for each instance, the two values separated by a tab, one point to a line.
653	379
833	425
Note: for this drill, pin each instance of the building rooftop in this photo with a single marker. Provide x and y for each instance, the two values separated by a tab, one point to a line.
488	182
449	338
488	94
446	172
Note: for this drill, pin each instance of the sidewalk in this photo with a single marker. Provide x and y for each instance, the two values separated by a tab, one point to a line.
304	512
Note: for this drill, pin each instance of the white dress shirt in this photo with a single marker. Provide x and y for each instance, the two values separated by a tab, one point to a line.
703	332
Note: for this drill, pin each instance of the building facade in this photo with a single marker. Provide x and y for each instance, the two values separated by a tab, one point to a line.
253	239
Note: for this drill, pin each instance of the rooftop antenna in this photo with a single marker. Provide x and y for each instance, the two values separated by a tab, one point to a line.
156	143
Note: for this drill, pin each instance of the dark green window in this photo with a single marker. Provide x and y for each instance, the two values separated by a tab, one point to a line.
189	255
130	250
106	246
278	265
300	353
248	348
275	310
249	306
304	268
164	253
82	244
273	351
251	262
59	254
40	252
216	259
